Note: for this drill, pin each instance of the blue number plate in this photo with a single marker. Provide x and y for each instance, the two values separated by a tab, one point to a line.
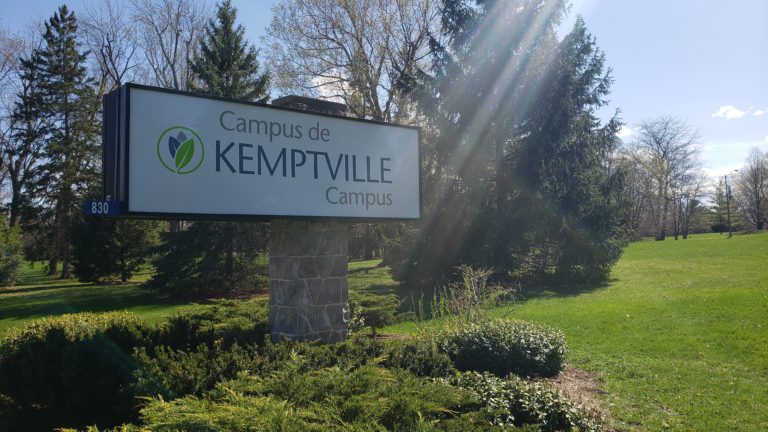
103	208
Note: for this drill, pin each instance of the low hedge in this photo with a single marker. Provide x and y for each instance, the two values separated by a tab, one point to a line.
71	370
502	347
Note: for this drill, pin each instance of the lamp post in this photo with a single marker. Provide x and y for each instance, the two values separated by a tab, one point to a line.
728	204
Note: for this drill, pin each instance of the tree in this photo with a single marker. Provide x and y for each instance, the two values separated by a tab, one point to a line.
527	185
28	129
213	255
111	39
718	207
70	105
751	186
11	255
669	155
168	32
105	248
563	161
357	52
226	65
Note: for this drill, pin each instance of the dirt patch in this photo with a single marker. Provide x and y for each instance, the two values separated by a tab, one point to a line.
583	389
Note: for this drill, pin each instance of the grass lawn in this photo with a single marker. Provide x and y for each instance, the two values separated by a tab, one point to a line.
40	296
678	337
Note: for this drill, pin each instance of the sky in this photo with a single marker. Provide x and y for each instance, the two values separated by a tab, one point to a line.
703	61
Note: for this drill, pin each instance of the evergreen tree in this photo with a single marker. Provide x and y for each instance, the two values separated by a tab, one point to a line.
70	104
227	65
215	255
475	97
527	186
563	162
107	248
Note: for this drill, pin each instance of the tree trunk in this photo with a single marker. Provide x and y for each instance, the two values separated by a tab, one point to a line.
229	248
15	202
53	262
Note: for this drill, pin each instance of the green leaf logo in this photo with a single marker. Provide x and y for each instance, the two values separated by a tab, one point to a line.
180	150
184	154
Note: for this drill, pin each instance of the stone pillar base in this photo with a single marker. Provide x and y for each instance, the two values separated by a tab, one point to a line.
308	295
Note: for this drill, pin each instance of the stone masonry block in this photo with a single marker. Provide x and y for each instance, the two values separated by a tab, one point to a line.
331	292
308	267
339	266
296	294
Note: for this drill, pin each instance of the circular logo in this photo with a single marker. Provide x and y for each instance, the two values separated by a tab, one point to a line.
180	150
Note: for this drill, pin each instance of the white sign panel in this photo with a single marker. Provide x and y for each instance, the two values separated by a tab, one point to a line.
192	155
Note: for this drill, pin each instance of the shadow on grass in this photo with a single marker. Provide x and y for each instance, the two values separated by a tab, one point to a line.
564	290
28	289
78	298
419	299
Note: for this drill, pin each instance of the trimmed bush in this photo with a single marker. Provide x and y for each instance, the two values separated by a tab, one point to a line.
516	402
502	347
421	357
71	370
224	322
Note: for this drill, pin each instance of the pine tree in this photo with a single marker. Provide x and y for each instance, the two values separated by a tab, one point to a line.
70	104
563	160
211	255
227	66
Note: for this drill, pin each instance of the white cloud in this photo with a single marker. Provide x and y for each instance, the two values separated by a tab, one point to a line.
729	112
766	138
624	132
759	112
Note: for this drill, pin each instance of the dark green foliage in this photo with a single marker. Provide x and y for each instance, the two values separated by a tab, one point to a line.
373	310
203	371
562	162
421	357
513	401
171	373
71	370
108	249
520	176
70	105
502	347
223	322
227	65
11	255
197	260
368	398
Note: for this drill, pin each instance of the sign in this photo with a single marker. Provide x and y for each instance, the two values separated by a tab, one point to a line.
102	208
189	156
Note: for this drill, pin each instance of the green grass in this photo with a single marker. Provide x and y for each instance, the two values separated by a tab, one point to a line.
41	295
678	337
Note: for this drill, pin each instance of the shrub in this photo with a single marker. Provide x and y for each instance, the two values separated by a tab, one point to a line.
375	311
171	373
517	402
421	357
225	322
367	398
71	370
502	347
